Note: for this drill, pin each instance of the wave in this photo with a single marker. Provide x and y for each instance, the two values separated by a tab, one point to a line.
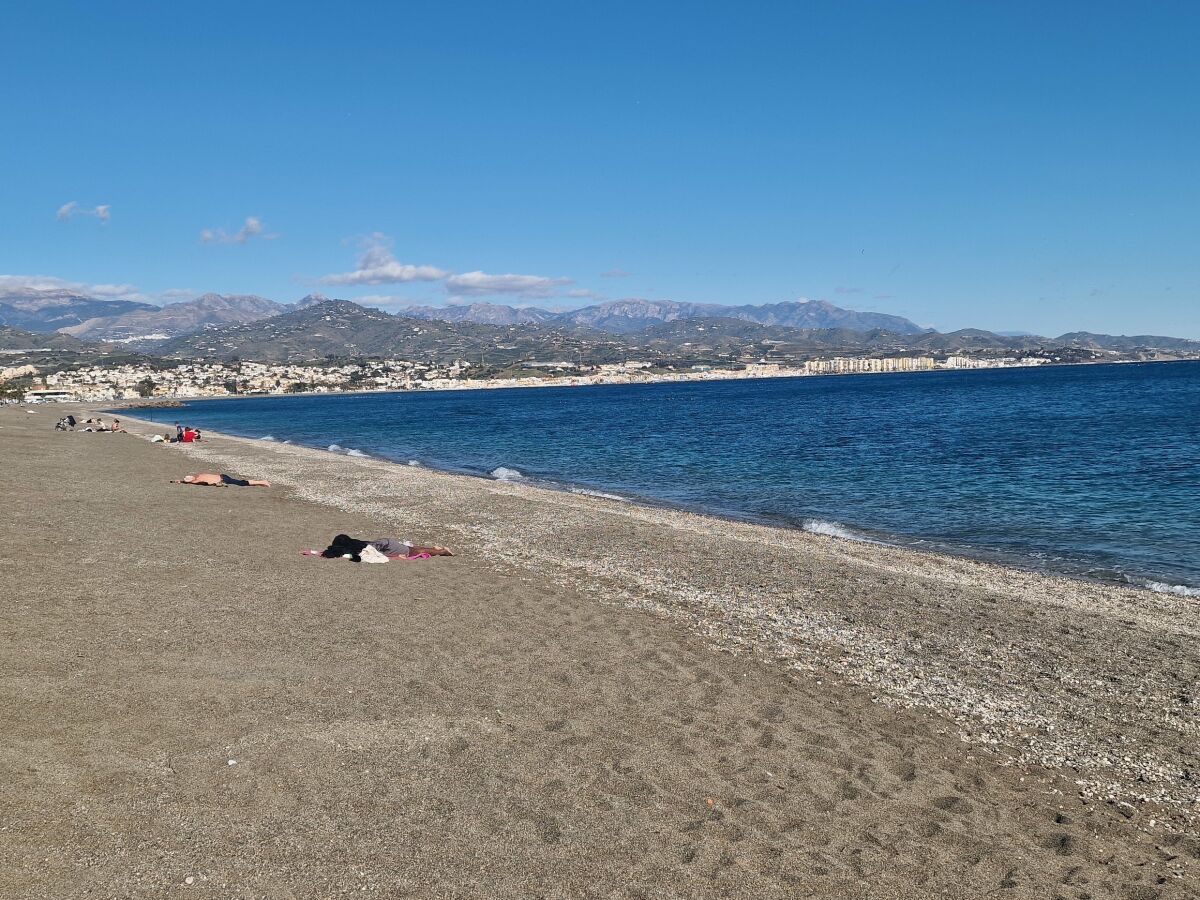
353	452
415	462
1179	590
268	437
500	473
588	492
833	529
335	448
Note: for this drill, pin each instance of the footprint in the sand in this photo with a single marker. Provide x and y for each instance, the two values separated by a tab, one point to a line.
952	803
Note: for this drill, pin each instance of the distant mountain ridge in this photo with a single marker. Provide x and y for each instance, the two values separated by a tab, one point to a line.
51	310
320	329
631	324
158	323
339	328
633	315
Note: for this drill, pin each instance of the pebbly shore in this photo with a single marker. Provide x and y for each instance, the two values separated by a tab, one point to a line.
594	698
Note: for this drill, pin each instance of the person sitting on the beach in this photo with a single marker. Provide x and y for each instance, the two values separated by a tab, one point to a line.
222	480
116	426
189	435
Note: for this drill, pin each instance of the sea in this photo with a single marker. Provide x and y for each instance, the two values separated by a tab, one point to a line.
1091	471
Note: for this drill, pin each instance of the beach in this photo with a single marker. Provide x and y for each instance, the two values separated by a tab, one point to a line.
592	699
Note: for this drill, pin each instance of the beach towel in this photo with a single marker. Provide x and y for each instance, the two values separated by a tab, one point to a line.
371	555
393	557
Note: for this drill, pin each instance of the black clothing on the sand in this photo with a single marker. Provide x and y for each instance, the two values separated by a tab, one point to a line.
343	545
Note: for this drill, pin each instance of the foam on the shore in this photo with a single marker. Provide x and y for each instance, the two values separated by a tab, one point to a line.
349	451
501	473
833	529
1179	590
588	492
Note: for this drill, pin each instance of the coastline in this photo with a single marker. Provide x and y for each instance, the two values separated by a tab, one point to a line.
593	698
1030	559
735	622
623	380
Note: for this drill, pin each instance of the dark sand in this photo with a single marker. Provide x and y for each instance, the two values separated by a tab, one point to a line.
190	708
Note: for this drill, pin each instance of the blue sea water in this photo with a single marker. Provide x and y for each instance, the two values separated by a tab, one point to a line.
1085	470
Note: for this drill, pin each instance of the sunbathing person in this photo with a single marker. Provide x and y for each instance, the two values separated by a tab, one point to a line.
221	480
345	546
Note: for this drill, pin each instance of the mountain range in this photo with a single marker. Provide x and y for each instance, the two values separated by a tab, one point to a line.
341	329
633	315
132	322
51	310
252	327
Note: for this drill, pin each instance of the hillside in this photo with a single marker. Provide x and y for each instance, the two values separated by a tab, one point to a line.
157	323
338	328
17	339
48	311
635	315
341	329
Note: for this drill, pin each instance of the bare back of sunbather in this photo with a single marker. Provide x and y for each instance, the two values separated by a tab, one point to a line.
212	480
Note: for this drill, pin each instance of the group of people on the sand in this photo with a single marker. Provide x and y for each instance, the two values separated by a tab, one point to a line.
183	435
70	423
372	550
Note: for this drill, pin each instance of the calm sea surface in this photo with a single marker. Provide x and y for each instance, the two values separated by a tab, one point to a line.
1087	470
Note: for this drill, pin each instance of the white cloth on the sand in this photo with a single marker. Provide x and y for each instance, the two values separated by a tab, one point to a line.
157	439
370	554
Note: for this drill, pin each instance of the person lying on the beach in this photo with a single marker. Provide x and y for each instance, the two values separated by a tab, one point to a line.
345	546
222	480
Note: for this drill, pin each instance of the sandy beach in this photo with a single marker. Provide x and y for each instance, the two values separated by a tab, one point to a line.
592	699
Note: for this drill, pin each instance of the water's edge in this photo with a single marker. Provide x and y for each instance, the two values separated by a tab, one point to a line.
823	527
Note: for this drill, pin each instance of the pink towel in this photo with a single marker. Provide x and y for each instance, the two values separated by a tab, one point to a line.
396	556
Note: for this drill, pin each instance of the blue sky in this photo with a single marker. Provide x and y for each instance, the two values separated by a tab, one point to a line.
1010	165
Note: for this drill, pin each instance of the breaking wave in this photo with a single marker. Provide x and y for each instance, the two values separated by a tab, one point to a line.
500	473
353	452
1179	590
268	437
335	448
832	529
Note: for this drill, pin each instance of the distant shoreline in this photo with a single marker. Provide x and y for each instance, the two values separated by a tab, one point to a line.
571	383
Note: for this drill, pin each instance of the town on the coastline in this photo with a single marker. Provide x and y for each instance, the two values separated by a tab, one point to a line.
148	381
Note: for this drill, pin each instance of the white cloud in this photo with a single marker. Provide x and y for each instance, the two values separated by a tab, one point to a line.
68	211
251	228
476	284
378	265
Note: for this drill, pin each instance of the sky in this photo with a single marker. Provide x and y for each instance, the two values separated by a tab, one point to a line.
1002	165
